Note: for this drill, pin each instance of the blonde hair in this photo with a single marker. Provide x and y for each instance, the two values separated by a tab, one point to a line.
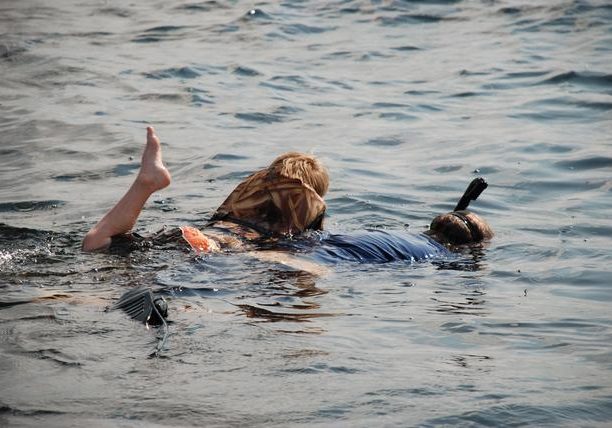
306	168
284	198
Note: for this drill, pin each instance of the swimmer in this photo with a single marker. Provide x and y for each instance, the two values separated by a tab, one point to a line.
282	200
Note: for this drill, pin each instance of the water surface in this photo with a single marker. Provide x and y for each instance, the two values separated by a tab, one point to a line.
405	102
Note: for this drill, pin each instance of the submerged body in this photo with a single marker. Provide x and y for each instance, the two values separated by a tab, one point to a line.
375	246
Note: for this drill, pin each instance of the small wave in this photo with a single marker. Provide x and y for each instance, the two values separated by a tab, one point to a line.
509	11
545	187
225	28
384	142
171	73
404	19
257	14
10	51
56	356
260	117
124	169
234	176
445	169
246	71
11	233
469	306
205	6
572	101
584	78
544	148
374	54
25	251
252	311
287	83
228	157
319	368
14	411
161	33
80	176
114	11
421	92
523	74
147	39
594	162
165	29
294	29
468	94
393	116
161	97
552	115
576	414
407	48
280	114
389	105
339	55
26	206
17	50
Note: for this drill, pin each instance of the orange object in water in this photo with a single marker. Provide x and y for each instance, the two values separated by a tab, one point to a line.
198	241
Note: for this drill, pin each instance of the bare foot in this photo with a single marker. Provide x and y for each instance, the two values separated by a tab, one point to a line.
153	174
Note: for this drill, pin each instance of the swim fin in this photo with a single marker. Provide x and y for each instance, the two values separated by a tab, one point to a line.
141	305
473	191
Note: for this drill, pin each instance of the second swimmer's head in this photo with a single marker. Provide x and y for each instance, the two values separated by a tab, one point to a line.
459	228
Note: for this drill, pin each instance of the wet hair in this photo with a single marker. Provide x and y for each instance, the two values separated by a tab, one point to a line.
460	227
284	198
303	167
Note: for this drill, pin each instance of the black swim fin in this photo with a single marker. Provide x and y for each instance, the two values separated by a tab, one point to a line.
473	191
141	305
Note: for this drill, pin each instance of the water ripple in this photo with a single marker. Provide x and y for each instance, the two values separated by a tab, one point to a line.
601	80
589	163
404	101
26	206
596	410
170	73
404	19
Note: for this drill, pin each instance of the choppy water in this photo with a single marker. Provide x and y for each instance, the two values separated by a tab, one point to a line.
404	101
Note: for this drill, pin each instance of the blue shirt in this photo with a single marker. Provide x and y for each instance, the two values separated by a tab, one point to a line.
376	246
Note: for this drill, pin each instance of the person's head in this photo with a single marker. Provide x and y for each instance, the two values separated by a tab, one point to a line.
459	228
284	198
306	168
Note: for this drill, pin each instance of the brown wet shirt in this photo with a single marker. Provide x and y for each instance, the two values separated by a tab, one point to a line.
179	238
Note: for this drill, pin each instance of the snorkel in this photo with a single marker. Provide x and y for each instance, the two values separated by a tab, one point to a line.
473	191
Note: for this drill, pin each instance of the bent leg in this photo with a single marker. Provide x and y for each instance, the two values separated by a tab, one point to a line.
153	176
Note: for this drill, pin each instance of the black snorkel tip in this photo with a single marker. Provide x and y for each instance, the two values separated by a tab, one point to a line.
473	191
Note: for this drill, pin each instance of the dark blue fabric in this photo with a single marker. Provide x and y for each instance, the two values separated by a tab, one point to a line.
377	246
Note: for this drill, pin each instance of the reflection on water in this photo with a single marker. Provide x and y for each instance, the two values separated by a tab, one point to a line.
285	296
404	102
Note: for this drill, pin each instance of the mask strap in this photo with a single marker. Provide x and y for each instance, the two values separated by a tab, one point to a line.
474	233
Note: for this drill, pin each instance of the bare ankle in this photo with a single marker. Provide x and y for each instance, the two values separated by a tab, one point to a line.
152	181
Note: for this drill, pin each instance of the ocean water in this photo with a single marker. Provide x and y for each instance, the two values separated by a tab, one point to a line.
405	102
